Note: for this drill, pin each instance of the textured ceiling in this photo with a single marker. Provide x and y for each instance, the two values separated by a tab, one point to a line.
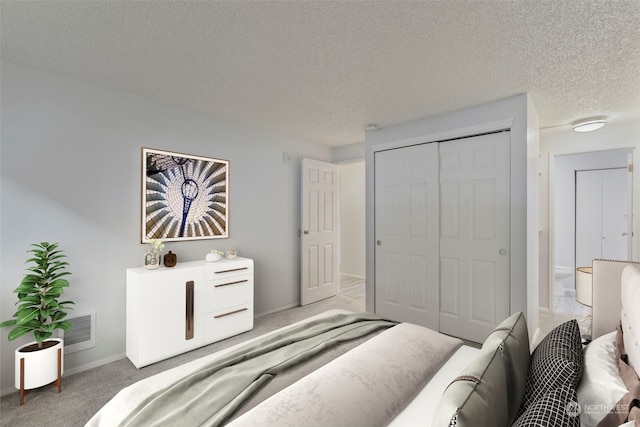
319	71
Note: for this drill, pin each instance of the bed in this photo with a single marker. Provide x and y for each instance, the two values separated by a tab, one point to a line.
604	396
404	375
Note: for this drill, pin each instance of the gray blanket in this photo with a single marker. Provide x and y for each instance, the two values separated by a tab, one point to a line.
366	387
208	397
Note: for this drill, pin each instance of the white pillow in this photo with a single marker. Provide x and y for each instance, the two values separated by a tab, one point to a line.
601	386
630	293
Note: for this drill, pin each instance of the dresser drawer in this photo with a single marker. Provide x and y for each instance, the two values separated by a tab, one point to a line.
228	292
228	322
228	268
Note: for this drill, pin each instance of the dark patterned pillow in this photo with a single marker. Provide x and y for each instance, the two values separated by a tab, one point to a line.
556	362
556	408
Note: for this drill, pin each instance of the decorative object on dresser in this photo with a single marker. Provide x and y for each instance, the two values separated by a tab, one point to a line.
214	256
231	253
153	257
216	297
40	362
170	259
184	197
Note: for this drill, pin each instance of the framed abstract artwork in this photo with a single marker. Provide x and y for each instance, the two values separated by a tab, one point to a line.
184	197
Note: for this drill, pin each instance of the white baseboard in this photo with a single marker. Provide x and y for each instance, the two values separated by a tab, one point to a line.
355	276
275	310
94	364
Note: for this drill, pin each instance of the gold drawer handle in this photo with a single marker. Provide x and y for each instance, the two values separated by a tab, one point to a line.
230	283
232	270
230	313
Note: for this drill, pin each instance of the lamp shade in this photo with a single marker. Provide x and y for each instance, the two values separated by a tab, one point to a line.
584	293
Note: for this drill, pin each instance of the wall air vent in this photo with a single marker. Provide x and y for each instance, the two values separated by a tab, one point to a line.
82	336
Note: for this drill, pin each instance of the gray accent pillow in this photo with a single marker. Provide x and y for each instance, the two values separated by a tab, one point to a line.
557	361
556	408
489	390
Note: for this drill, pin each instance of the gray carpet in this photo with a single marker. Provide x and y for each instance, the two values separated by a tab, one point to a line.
84	393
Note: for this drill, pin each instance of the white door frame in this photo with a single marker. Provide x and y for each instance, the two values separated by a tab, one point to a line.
551	208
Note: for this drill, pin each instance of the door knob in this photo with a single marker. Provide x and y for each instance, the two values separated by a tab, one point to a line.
379	242
502	251
306	231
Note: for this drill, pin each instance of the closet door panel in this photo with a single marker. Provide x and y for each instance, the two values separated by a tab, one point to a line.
475	206
406	223
392	279
449	290
418	273
450	203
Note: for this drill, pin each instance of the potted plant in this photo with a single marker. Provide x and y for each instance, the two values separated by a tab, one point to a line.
152	258
40	362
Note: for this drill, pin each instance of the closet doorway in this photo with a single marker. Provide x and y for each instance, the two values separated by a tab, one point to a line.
602	215
352	227
442	230
591	210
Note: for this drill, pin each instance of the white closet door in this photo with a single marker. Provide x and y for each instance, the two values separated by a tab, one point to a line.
474	235
602	203
588	217
406	224
615	222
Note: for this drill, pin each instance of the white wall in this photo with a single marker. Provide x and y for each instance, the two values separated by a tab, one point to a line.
70	173
516	113
352	223
348	153
564	141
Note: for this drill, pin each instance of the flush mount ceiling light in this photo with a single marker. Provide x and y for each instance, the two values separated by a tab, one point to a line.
587	125
371	126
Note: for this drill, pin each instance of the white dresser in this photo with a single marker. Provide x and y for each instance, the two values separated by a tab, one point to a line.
174	310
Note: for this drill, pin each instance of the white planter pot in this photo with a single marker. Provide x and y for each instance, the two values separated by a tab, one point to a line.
40	367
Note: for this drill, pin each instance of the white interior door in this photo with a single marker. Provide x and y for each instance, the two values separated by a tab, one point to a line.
474	235
602	221
615	220
320	276
406	224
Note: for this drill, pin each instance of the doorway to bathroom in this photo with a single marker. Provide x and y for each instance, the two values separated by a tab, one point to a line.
593	217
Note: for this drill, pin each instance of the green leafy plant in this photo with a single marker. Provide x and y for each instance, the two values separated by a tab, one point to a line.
38	308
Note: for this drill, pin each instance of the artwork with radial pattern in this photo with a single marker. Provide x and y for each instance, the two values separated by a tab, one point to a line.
184	197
